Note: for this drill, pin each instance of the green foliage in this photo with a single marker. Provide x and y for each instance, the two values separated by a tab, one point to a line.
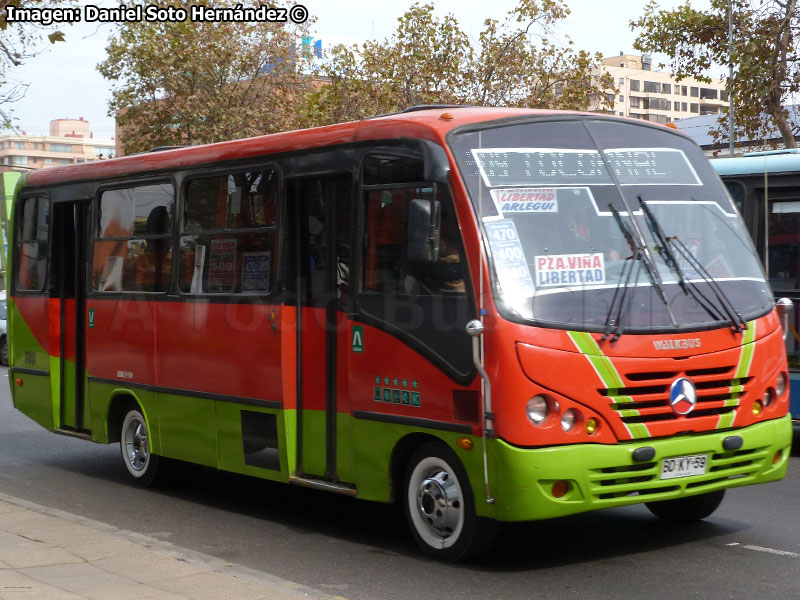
763	52
430	60
191	83
200	82
19	42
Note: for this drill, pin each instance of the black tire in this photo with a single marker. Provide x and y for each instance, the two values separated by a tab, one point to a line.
687	510
4	351
134	443
440	506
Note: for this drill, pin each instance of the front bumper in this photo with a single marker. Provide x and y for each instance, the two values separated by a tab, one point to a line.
602	476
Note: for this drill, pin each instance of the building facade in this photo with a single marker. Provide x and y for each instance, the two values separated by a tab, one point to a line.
70	142
657	96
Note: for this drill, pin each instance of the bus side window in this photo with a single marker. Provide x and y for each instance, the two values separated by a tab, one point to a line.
387	269
784	244
736	191
133	242
32	243
423	301
229	238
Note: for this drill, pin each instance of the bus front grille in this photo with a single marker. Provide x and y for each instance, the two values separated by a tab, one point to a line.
647	401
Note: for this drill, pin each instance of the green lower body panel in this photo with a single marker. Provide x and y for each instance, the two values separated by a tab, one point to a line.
314	435
606	476
374	444
253	440
188	428
34	400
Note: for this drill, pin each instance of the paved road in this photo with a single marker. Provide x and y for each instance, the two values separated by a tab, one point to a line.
750	548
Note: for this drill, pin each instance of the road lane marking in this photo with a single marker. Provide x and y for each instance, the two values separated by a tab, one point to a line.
767	550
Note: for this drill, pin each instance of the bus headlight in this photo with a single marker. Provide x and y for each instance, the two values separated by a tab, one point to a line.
568	419
537	409
780	384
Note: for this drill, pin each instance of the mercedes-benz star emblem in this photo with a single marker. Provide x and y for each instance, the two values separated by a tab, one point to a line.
682	396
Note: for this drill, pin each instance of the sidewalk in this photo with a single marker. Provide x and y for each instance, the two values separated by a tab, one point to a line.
47	554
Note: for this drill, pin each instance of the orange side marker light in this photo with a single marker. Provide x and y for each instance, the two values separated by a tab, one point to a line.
464	443
18	381
777	457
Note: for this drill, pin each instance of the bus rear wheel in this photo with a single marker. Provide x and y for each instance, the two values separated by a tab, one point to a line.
134	444
440	507
687	510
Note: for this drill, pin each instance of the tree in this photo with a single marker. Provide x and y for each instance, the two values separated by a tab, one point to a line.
20	41
432	61
764	53
510	70
196	82
425	62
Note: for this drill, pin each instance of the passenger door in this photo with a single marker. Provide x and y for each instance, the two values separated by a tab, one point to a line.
320	218
70	226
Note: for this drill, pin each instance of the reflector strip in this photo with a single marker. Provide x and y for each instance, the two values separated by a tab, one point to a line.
726	420
609	378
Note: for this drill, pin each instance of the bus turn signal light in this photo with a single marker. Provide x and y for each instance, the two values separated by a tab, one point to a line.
757	407
591	425
777	457
18	381
464	443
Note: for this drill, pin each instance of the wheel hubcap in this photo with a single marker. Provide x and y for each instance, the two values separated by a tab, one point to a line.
439	503
136	446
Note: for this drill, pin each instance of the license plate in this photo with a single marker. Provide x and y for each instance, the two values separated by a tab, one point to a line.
684	466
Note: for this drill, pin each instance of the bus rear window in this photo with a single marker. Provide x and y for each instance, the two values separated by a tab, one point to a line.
32	243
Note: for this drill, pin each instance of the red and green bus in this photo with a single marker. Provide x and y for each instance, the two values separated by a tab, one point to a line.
487	315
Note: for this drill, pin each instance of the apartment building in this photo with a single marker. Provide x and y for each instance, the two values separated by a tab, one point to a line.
657	96
70	142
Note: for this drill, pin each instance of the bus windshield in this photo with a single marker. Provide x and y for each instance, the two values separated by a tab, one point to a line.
594	223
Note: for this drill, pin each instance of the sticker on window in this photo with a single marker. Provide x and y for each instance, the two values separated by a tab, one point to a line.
526	200
255	271
221	265
512	268
570	269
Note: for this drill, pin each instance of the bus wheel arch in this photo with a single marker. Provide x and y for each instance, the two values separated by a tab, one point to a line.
118	406
440	506
401	455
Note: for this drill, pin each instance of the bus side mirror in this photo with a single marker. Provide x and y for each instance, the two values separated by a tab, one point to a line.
784	305
423	230
437	165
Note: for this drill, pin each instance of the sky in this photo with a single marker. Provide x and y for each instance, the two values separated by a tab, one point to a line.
64	82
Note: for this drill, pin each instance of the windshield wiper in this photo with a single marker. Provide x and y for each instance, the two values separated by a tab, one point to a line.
689	287
621	300
737	322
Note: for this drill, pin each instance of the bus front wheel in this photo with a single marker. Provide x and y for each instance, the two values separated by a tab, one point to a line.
134	443
688	509
440	507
